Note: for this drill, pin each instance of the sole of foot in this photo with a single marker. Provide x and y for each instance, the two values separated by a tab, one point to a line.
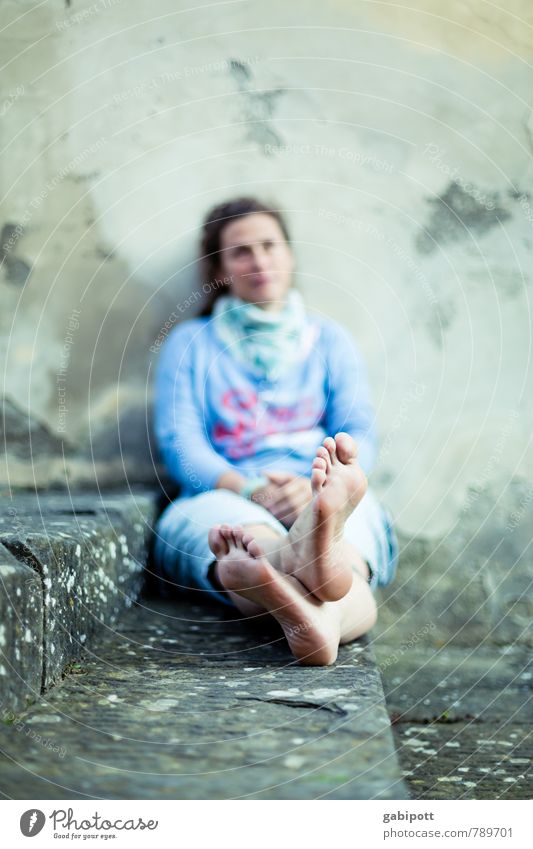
315	553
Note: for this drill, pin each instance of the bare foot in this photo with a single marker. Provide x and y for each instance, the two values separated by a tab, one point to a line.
220	538
314	552
312	628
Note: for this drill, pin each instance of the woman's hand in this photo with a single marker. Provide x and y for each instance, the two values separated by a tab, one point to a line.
285	496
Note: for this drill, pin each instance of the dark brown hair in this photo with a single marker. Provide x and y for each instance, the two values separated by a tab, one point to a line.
214	222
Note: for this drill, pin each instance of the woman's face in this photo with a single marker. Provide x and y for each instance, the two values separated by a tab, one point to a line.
256	258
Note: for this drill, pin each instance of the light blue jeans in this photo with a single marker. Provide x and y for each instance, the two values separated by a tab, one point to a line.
183	557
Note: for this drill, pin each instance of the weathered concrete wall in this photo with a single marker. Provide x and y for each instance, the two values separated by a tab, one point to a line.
400	141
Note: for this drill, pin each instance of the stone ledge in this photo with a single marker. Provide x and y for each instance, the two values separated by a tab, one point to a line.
21	634
83	557
185	701
461	719
274	729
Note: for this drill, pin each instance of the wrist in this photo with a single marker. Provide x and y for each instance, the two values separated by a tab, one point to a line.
251	485
232	481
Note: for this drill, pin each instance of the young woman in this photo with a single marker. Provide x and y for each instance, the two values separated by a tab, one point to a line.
262	415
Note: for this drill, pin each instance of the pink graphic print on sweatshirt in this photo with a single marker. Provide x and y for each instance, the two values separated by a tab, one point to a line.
246	422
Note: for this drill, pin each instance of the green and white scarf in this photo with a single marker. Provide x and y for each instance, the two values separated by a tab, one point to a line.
268	342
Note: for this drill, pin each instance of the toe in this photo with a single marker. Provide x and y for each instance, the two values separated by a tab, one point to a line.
226	534
217	543
346	447
238	533
323	454
318	479
255	550
331	446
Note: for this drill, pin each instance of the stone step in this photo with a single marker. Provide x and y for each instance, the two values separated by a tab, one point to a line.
186	702
70	565
462	719
21	633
